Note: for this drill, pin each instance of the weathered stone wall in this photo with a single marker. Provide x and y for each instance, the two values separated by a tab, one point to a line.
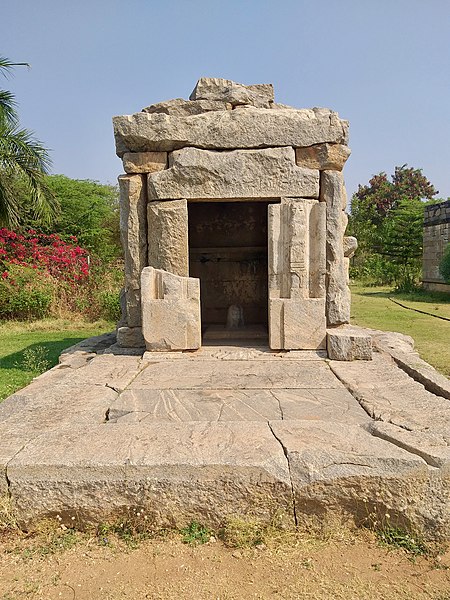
436	236
231	142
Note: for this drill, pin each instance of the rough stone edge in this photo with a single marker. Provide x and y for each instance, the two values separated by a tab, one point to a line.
410	362
85	516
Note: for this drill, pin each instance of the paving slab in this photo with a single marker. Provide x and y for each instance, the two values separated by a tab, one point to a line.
56	405
175	472
388	394
235	405
234	375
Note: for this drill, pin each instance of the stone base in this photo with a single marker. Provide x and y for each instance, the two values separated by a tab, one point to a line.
348	344
130	337
297	323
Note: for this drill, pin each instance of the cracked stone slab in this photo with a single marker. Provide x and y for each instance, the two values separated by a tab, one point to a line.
149	406
195	405
107	370
212	472
320	404
340	469
434	448
388	394
37	411
261	374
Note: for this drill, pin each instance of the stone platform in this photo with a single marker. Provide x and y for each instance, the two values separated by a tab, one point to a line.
230	431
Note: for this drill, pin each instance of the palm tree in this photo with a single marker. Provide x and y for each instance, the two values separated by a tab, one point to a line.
24	158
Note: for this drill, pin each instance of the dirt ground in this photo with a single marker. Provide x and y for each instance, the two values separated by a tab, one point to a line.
74	566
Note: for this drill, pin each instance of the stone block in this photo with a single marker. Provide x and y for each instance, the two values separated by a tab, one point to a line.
212	88
144	162
345	343
267	173
168	247
176	472
332	192
170	311
322	156
130	337
388	394
340	471
240	128
297	324
296	248
133	227
181	108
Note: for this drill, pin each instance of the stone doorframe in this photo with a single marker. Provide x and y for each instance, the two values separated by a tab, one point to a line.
306	269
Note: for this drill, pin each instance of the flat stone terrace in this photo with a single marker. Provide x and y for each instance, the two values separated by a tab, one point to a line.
231	432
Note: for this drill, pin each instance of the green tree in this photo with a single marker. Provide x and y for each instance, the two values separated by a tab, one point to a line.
24	157
387	218
402	236
90	211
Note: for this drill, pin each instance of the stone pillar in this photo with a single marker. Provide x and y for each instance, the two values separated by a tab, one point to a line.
296	274
133	233
332	193
168	245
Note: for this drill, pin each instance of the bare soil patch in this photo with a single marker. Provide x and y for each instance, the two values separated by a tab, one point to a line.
76	566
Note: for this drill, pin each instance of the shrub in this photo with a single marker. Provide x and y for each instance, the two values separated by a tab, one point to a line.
42	275
110	305
25	293
62	260
444	266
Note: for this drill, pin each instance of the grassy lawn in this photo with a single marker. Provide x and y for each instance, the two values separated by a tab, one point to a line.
372	308
28	349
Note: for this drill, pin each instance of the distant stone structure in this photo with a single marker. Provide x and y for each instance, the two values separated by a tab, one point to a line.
436	236
233	220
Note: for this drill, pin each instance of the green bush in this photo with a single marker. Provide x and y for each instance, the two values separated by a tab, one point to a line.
110	306
444	266
25	294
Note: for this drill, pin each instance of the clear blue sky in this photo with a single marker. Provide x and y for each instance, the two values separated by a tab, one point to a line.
382	64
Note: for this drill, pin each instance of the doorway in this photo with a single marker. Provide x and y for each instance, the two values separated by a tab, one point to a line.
228	253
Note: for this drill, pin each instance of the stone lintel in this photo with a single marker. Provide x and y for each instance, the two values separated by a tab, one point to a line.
230	129
248	174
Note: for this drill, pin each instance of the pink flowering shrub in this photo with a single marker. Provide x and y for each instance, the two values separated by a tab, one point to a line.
43	275
48	253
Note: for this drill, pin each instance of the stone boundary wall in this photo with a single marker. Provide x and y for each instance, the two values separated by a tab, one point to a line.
436	236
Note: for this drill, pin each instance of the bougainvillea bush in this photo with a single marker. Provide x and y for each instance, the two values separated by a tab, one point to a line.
42	275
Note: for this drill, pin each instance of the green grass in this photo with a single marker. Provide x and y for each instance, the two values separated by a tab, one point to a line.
372	308
28	349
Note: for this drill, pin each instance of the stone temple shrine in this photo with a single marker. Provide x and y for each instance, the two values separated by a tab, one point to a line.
233	221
